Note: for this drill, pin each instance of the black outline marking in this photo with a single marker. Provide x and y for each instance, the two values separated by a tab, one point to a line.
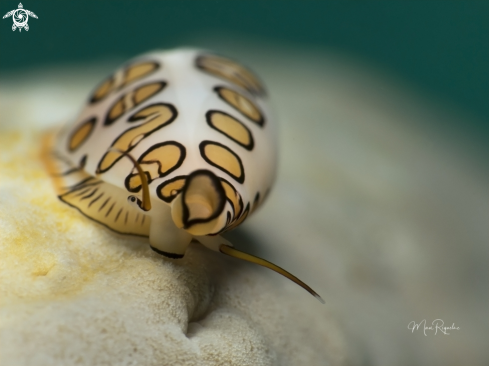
83	161
246	212
241	206
256	203
240	200
109	121
89	195
220	192
159	189
81	185
78	168
103	204
257	198
228	221
181	159
138	188
208	117
83	191
202	146
234	224
95	199
98	222
110	210
166	254
260	122
82	182
131	119
125	67
94	100
68	172
118	214
140	204
93	122
260	91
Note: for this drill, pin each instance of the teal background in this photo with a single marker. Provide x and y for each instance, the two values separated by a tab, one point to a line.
439	47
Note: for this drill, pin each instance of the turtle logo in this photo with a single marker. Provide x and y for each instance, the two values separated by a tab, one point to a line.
20	17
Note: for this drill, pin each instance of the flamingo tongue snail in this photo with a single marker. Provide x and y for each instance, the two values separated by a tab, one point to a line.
174	146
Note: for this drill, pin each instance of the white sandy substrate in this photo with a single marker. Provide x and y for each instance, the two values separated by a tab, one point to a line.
379	214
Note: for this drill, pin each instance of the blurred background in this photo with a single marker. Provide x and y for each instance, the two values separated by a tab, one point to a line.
384	110
439	48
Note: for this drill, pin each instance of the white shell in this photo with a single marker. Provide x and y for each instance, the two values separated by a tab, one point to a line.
176	112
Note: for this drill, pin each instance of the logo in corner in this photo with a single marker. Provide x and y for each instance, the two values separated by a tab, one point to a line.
20	17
